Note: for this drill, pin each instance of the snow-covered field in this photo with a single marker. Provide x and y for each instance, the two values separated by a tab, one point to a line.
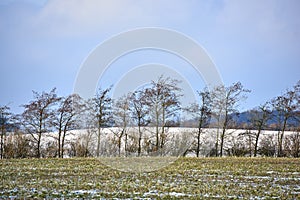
177	140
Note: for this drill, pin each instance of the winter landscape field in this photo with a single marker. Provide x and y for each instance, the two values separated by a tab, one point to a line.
170	99
179	141
192	178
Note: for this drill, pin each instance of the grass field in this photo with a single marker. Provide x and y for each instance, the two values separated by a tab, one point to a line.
193	178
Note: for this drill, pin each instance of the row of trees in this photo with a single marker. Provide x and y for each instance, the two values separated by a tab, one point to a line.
221	104
156	106
45	113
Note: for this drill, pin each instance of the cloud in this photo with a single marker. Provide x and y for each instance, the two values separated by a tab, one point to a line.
78	17
270	21
36	2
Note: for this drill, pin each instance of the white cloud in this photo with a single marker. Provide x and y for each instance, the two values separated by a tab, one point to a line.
79	17
270	21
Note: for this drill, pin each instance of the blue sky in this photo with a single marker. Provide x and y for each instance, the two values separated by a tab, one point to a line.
43	43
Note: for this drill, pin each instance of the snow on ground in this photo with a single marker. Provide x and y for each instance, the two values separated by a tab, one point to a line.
178	139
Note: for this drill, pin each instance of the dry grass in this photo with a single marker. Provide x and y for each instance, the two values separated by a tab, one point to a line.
193	178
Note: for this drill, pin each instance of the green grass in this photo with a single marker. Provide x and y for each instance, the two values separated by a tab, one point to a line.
185	178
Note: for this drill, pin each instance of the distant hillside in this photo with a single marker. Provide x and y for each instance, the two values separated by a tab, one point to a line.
243	118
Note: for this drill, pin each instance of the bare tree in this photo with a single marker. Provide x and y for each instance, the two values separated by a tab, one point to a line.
5	118
292	144
285	107
201	112
121	120
66	118
101	111
37	116
258	121
163	96
139	109
225	101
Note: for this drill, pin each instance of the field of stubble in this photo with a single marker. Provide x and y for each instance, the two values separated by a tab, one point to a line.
188	178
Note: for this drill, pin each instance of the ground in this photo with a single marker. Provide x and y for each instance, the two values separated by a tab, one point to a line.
193	178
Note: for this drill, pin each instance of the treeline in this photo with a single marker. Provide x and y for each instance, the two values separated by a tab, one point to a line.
139	123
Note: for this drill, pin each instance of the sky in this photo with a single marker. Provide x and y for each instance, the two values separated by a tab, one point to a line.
43	44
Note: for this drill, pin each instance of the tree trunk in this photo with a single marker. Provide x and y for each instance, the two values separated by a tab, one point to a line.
38	153
59	135
256	142
63	143
59	145
223	132
222	138
125	145
98	142
198	142
222	142
217	143
280	142
2	141
62	146
119	146
162	141
199	135
157	129
120	141
140	140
